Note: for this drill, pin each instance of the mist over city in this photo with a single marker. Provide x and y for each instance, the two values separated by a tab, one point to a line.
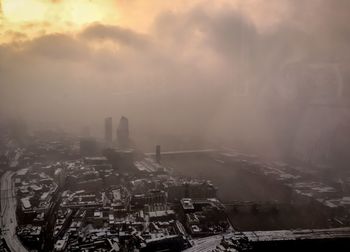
156	125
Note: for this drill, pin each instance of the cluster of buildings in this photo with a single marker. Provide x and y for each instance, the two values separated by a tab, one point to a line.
89	146
115	199
286	240
133	212
85	195
204	217
36	192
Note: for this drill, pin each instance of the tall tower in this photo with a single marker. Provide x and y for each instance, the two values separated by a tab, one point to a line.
123	133
158	154
108	132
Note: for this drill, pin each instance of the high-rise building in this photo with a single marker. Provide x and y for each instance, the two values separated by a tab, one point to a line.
108	132
158	154
123	133
88	147
85	131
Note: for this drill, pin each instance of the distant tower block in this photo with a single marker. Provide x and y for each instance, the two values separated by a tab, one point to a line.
158	153
123	133
88	147
108	132
85	131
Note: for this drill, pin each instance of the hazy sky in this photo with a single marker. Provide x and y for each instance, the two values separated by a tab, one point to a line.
238	68
49	16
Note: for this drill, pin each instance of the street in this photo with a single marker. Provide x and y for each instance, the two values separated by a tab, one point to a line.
207	244
8	218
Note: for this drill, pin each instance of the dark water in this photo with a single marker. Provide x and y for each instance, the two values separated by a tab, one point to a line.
236	183
233	183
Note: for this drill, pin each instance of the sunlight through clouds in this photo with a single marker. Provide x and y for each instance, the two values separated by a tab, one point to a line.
55	16
74	11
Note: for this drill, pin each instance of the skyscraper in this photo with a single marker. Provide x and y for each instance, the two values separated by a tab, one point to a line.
158	154
123	133
88	147
108	132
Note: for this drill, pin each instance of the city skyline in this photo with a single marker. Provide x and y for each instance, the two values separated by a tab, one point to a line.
174	125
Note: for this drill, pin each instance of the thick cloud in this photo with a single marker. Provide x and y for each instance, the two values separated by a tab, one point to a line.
58	46
115	33
210	72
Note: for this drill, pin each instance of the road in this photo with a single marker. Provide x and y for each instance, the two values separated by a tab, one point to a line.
8	219
207	244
